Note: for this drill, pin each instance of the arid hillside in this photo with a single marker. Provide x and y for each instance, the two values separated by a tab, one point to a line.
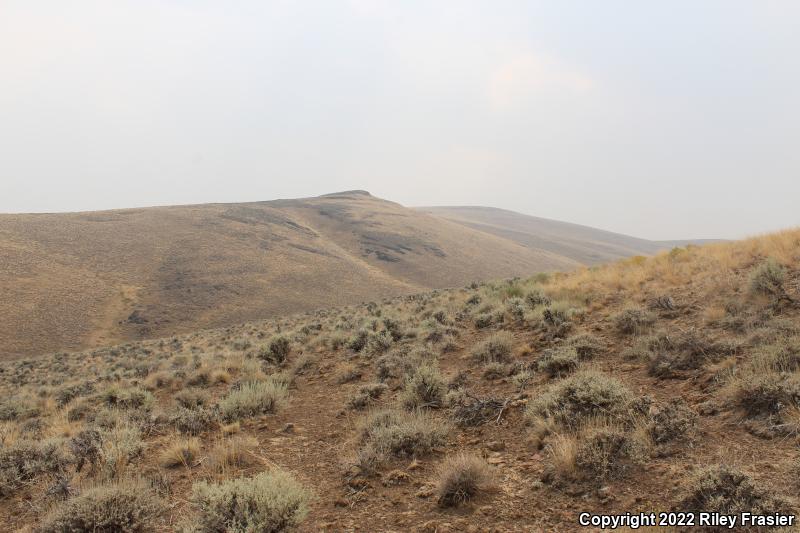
584	244
79	280
650	384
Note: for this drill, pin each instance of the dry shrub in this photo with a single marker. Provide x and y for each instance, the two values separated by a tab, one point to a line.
672	421
584	395
730	491
494	349
193	421
129	507
276	351
558	361
633	320
598	451
587	346
401	434
461	478
269	502
767	394
424	388
24	461
348	373
767	279
253	398
366	395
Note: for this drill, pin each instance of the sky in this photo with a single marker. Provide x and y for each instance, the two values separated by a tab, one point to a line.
663	120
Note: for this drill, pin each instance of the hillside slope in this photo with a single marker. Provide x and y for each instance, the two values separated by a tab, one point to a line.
77	280
647	385
587	245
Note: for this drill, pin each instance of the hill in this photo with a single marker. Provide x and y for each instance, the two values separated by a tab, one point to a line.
650	384
79	280
586	245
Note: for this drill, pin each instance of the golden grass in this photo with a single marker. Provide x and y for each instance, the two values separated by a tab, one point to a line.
181	452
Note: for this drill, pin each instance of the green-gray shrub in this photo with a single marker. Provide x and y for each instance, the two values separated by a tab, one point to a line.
494	349
269	502
253	398
128	507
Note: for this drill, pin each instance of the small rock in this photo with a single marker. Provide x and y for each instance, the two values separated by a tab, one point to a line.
425	492
288	428
396	477
496	446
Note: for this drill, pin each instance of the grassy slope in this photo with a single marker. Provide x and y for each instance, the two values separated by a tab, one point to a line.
72	281
732	360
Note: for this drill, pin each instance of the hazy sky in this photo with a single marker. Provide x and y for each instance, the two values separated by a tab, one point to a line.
666	119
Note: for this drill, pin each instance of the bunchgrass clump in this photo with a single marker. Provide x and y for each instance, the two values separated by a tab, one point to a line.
180	452
460	479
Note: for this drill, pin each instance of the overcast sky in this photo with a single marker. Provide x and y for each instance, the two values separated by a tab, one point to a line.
672	119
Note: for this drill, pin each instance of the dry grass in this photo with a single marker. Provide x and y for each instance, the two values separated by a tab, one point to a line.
180	452
461	478
232	453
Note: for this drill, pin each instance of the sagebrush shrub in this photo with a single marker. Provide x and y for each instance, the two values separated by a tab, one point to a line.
269	502
402	434
276	351
730	491
558	361
633	320
129	507
585	394
586	346
424	388
767	279
193	421
494	349
26	460
672	421
253	398
606	451
366	395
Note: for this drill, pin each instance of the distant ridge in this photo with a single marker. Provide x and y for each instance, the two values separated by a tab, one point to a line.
580	243
78	280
